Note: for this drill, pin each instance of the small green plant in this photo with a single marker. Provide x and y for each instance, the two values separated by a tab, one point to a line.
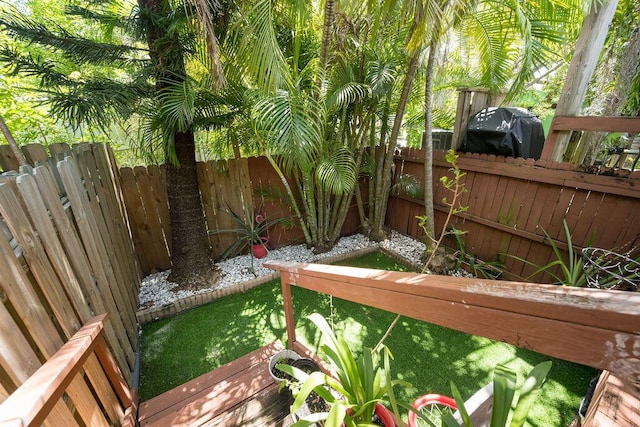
250	229
511	404
361	383
571	271
487	269
456	187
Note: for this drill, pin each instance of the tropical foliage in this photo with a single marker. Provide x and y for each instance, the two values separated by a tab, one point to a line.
360	382
322	92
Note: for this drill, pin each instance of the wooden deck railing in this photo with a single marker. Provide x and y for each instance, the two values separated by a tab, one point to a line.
38	399
565	124
587	326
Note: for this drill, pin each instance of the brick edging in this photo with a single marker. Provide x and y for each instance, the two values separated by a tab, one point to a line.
186	303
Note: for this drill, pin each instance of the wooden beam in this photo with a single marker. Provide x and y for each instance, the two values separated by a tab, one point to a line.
31	403
588	326
583	64
596	124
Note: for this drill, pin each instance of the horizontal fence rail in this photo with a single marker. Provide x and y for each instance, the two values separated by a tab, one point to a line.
587	326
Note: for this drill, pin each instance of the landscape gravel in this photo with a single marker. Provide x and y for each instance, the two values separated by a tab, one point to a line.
156	290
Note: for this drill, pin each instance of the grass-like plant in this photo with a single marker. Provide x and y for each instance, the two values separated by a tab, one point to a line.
571	270
509	408
361	383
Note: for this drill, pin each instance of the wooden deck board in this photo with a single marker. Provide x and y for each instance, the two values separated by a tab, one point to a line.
239	393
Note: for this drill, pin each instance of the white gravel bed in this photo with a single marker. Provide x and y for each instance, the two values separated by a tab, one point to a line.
156	290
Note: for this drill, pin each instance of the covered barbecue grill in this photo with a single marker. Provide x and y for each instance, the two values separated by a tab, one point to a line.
506	131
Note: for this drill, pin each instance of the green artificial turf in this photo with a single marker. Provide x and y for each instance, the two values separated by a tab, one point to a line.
178	349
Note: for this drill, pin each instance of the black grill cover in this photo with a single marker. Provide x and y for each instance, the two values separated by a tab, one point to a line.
507	131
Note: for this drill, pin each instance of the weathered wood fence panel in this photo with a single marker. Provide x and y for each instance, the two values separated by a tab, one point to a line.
67	256
512	202
244	186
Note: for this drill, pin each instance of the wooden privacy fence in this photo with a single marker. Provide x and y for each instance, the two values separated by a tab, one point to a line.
225	186
242	186
511	202
67	257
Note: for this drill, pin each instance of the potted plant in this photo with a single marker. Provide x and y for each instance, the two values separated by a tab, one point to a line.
510	404
282	357
314	403
360	383
251	229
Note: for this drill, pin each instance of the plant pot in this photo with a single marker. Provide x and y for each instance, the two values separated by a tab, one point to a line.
260	250
427	400
383	413
281	356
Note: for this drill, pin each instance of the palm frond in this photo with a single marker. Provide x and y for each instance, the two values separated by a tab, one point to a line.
96	102
290	126
336	172
29	65
176	102
257	47
381	76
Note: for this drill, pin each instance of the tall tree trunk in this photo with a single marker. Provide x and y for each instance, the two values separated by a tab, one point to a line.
12	143
191	252
382	190
427	146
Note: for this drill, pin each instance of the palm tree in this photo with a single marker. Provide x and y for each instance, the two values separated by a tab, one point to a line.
509	41
162	41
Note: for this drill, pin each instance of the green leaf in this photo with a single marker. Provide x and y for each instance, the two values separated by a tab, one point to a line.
529	392
461	408
504	387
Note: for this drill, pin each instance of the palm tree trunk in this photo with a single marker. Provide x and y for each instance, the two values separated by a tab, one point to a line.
427	146
382	190
292	199
191	251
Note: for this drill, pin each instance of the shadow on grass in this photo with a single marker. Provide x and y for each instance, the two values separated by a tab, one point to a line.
430	357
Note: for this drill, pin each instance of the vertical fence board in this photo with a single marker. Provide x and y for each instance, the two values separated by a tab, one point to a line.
8	161
159	255
81	265
58	148
158	188
34	153
142	240
95	248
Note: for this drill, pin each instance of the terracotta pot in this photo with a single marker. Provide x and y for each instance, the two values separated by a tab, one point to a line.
384	414
260	250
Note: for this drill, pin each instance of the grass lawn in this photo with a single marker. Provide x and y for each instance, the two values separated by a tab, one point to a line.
178	349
